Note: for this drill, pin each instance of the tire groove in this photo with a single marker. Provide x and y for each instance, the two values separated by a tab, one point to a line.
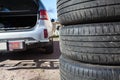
74	4
86	8
88	46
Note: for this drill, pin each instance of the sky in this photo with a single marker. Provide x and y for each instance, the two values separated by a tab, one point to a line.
51	8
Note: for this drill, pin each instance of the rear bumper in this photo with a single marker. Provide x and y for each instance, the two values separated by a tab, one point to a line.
36	34
27	46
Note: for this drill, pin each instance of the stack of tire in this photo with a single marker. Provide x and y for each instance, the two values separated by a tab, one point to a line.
90	39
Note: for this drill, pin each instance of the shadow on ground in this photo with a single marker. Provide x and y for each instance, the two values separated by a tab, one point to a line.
31	59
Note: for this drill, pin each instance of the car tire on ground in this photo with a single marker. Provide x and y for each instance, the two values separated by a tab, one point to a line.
92	43
74	70
49	49
84	11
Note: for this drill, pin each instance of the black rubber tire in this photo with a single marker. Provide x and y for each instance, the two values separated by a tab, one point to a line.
92	43
85	11
49	49
74	70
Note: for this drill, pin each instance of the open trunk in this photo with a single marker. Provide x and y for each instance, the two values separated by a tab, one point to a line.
18	14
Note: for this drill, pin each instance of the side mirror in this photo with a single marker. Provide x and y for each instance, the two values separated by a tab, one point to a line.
52	20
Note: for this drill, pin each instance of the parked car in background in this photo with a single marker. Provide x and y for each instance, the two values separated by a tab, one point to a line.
26	25
56	27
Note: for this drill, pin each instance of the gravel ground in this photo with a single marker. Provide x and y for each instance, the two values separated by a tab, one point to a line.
31	65
32	74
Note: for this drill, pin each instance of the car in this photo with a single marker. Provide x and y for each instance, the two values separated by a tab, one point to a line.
24	25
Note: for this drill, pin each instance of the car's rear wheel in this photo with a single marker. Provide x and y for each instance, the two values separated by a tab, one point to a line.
49	49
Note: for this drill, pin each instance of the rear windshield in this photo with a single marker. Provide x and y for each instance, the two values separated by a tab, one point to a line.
18	5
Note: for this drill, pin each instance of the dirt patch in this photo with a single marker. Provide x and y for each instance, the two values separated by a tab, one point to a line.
31	65
32	74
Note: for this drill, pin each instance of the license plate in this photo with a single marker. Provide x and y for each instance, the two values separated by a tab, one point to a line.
3	46
15	45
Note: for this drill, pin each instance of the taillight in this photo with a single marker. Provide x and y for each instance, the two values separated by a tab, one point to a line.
45	33
43	15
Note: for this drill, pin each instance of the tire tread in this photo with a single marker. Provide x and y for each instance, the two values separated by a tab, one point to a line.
92	43
88	10
74	70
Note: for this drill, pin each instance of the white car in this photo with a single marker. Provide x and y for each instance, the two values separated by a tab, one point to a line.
24	24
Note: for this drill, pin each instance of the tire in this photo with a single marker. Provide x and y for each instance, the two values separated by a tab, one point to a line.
87	11
92	43
49	49
74	70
